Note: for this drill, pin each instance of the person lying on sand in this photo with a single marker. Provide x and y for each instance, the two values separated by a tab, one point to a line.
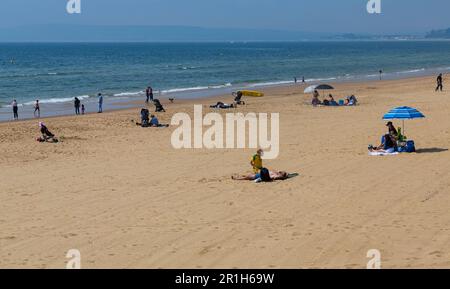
222	105
388	145
47	136
274	176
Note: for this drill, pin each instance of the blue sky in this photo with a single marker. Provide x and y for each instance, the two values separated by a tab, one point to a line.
336	16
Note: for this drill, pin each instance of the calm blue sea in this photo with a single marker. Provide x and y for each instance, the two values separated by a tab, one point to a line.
56	73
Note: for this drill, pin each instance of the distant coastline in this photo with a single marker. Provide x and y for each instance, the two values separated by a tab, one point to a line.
58	33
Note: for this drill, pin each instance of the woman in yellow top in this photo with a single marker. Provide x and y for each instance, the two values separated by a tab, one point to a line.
256	161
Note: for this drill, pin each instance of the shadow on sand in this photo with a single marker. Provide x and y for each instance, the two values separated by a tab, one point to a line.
431	150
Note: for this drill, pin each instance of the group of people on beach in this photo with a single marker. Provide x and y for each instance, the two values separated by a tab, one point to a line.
260	173
389	141
330	101
15	107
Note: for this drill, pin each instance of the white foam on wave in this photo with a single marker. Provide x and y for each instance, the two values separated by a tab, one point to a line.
137	93
55	100
271	83
411	71
187	89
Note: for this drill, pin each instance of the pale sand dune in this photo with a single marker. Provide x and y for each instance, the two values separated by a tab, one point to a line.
125	198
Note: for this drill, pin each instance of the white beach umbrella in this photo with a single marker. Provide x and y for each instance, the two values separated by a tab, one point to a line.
310	89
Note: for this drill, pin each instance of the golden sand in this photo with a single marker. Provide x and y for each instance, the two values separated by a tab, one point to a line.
126	199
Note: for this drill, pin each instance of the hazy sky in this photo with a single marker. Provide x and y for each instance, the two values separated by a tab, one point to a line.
337	16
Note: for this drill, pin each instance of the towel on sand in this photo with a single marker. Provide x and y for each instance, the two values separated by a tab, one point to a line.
382	154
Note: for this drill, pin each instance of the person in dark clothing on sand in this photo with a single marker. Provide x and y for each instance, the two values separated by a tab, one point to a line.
149	94
15	108
47	136
392	130
37	109
77	104
440	85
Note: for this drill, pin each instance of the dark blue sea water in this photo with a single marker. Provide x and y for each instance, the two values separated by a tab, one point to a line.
56	73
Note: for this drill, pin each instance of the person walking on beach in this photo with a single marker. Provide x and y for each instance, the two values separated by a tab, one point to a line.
100	103
77	104
149	94
15	109
295	80
37	109
439	81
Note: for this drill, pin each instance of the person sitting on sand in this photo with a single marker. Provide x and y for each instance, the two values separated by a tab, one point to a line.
392	130
316	101
158	106
388	145
352	100
331	101
145	120
274	176
256	161
154	122
46	134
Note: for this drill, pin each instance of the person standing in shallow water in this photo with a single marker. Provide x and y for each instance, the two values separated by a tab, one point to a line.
440	85
15	108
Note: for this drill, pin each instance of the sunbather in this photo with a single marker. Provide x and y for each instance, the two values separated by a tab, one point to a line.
388	145
222	105
274	176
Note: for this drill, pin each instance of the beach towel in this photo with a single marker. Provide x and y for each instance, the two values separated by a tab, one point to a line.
382	154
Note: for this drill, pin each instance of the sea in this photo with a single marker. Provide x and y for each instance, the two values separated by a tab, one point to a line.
55	73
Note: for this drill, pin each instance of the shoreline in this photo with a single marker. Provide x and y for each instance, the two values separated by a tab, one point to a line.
124	102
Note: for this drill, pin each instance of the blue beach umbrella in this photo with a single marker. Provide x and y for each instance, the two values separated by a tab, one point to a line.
403	113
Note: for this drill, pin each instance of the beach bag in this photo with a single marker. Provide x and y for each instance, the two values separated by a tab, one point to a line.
410	146
265	175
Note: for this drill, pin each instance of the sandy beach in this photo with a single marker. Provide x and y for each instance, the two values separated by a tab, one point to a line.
125	198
